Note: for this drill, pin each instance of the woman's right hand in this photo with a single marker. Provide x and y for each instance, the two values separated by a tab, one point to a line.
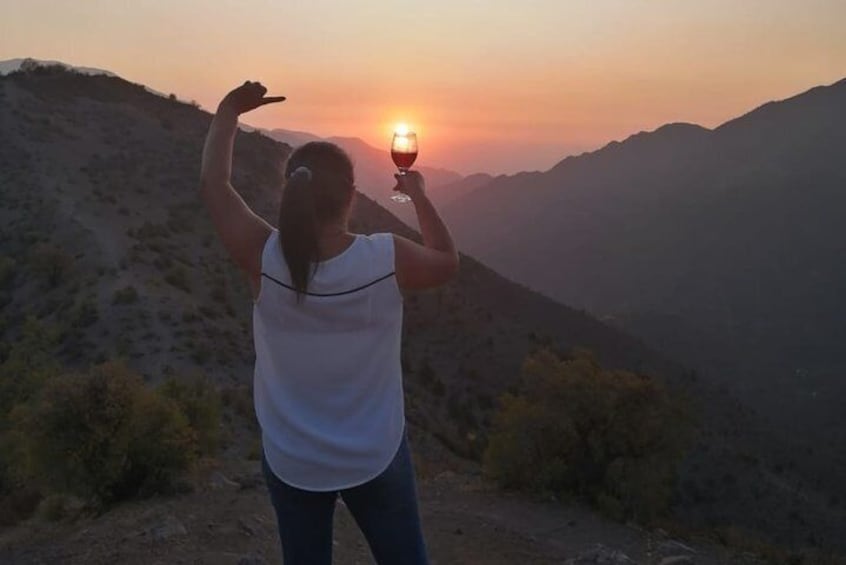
411	183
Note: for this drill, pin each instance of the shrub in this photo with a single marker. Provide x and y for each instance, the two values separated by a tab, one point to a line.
188	316
574	428
178	278
101	434
84	314
7	270
49	263
149	231
240	401
126	295
199	400
27	365
208	312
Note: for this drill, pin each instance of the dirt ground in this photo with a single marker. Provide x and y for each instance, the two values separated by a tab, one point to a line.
228	520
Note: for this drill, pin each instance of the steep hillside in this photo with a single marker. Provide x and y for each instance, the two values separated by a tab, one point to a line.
722	248
103	238
713	230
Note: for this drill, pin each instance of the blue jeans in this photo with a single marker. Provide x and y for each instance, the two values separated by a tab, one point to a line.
385	508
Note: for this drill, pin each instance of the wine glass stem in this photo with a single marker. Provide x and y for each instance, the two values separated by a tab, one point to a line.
399	196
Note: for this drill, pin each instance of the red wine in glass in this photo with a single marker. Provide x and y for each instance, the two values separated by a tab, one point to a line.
404	153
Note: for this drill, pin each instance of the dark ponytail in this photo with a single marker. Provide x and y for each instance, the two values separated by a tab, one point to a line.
298	229
317	190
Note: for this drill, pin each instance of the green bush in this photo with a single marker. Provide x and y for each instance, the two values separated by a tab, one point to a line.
100	435
29	362
200	401
573	428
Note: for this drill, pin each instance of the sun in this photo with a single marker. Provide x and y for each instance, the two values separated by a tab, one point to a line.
401	128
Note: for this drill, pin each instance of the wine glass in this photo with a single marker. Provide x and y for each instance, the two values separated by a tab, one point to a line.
403	152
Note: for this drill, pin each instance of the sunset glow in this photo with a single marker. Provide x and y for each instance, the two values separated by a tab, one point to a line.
400	142
492	86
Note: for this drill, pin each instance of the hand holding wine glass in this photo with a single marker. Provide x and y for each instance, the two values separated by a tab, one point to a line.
403	153
411	185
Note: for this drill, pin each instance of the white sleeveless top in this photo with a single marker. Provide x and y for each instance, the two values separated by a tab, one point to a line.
328	381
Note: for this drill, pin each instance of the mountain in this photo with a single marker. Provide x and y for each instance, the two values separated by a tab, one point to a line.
12	65
374	172
454	190
723	248
104	241
291	137
733	232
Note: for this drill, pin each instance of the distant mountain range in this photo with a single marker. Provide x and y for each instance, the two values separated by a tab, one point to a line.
725	248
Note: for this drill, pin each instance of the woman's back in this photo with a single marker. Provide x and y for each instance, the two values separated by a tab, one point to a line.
328	381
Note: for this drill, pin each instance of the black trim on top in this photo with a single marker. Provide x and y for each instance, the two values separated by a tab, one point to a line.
356	289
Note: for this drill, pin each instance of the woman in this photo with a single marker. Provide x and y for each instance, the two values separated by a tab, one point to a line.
327	321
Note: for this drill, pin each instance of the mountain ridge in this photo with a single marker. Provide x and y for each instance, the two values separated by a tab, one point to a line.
12	65
723	251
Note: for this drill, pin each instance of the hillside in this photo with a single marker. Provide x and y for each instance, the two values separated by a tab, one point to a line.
722	248
686	230
13	65
98	179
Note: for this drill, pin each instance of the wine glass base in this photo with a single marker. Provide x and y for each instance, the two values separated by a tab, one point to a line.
401	198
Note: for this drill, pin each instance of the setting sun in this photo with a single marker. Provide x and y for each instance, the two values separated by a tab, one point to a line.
401	129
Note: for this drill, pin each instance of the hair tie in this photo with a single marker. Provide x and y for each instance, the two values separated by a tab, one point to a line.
302	170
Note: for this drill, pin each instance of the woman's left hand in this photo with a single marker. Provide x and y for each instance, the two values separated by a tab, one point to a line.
248	96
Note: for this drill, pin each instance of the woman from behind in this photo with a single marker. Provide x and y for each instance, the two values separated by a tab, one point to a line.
327	323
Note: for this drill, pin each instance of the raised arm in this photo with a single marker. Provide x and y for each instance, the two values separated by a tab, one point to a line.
241	230
436	261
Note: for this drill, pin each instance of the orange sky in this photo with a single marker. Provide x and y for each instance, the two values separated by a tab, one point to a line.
494	85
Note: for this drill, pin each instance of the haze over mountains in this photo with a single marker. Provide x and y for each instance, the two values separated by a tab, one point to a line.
724	248
104	173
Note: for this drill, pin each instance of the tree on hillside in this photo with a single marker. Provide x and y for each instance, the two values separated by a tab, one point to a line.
575	428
